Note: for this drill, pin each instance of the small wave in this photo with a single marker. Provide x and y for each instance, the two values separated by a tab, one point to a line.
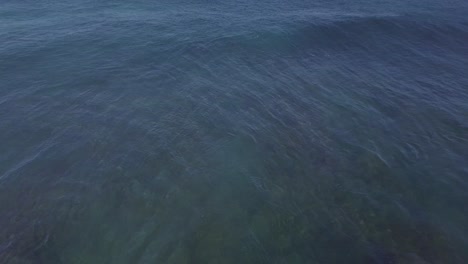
338	32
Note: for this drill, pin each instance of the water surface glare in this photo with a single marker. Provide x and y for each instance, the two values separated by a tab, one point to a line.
207	132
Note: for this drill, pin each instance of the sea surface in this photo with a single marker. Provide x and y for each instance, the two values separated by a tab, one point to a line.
219	132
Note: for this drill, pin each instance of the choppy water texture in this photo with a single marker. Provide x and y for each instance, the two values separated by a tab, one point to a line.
247	132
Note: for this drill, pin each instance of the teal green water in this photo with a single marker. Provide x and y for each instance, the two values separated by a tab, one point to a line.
186	132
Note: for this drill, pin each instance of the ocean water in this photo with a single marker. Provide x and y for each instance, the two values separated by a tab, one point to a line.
219	132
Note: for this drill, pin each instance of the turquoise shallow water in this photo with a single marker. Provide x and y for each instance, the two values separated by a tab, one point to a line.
248	132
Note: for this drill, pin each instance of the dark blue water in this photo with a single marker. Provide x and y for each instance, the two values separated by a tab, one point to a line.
246	132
